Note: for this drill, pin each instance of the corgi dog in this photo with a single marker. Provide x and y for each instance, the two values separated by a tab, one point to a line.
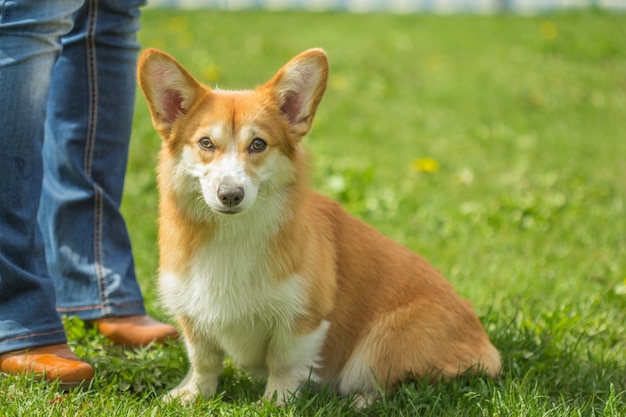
256	266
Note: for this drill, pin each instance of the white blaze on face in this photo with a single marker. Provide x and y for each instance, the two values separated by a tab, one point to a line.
227	174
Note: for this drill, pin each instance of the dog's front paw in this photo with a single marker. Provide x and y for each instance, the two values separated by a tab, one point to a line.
279	398
193	386
281	391
362	401
184	394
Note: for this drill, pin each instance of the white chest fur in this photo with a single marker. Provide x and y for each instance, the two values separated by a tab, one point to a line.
230	293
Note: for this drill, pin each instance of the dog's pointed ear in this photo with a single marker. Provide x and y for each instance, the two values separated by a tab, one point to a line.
298	88
169	89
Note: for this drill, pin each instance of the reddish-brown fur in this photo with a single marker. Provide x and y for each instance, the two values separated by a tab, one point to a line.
391	314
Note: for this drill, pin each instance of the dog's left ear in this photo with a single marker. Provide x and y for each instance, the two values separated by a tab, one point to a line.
298	88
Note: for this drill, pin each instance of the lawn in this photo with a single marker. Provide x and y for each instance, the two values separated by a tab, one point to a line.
495	146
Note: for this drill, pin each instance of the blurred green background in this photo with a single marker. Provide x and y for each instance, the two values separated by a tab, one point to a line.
495	146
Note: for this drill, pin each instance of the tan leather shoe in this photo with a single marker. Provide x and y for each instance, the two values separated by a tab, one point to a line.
50	362
135	330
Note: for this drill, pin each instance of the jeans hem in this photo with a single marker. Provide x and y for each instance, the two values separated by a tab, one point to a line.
94	312
29	341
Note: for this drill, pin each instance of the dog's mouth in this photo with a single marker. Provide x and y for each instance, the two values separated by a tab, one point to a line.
228	211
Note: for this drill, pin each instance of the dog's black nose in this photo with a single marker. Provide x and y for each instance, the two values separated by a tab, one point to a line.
229	195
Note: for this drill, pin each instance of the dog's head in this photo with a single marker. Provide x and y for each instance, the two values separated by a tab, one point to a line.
232	145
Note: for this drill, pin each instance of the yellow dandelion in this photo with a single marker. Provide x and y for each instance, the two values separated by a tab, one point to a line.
427	165
211	73
339	82
548	30
537	98
433	63
184	40
178	23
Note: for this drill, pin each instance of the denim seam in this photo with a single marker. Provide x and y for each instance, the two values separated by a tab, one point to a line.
96	306
92	79
26	336
98	246
3	5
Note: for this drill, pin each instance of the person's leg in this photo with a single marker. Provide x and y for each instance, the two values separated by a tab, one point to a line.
90	112
32	338
85	154
29	46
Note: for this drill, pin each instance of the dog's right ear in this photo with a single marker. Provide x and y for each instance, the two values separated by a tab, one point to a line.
169	89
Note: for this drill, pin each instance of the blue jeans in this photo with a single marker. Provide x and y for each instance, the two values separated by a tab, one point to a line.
67	91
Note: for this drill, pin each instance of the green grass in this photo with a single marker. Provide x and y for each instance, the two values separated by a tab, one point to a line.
525	118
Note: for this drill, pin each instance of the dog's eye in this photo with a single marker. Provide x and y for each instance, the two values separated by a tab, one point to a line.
206	144
257	145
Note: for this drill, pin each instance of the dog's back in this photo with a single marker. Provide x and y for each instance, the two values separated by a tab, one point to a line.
394	315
